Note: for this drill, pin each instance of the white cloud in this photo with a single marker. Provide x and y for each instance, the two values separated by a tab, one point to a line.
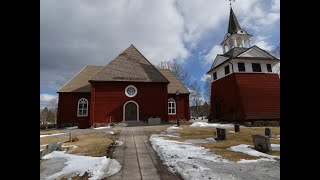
210	57
275	5
75	33
205	77
263	44
45	100
47	97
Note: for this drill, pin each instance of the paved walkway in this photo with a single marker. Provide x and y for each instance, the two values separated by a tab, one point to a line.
137	157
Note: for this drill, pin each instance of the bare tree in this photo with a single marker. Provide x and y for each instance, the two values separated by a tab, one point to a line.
207	90
195	97
177	70
53	108
44	115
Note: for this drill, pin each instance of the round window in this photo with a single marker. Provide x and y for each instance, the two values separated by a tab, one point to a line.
131	91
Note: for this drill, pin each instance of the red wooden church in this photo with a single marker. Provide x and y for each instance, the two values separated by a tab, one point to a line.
129	88
244	85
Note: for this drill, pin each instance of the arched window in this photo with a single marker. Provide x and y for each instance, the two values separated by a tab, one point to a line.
82	107
171	106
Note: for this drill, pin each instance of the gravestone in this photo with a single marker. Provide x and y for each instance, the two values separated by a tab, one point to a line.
236	128
267	132
221	134
261	143
50	148
154	121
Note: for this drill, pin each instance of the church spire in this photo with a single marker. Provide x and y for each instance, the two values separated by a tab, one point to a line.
236	37
234	25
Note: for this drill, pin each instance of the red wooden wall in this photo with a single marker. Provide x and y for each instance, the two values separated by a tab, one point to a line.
108	99
67	109
183	107
247	96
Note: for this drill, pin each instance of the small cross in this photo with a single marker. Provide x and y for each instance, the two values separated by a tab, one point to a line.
230	2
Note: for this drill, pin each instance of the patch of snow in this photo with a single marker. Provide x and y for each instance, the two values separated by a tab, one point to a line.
255	160
275	147
70	146
232	132
97	167
105	127
205	125
74	127
119	143
185	158
170	135
206	140
275	138
244	149
41	136
173	127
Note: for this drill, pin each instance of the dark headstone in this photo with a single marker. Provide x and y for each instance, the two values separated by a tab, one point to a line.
267	132
261	143
236	128
221	134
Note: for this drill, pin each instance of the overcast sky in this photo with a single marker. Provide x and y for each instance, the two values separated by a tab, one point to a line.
75	33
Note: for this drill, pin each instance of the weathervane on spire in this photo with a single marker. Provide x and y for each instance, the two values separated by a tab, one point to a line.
230	2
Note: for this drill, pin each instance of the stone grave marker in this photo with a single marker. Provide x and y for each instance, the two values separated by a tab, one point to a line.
261	143
267	132
50	148
236	128
221	134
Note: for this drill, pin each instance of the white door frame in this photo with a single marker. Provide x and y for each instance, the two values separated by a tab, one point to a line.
124	110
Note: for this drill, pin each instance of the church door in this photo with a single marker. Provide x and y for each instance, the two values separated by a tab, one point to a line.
131	111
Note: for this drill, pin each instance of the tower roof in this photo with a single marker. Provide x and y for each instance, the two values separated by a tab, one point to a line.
234	25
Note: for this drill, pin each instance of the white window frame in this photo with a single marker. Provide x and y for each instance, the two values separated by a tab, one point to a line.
173	102
82	101
131	86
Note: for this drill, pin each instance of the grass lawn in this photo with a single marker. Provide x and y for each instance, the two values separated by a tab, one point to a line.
233	139
90	144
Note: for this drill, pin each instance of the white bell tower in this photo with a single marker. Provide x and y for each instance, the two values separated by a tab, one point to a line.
236	36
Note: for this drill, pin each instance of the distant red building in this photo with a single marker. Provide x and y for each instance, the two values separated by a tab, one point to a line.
244	85
129	88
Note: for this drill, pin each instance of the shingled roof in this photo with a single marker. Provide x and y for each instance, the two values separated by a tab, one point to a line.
234	25
79	83
174	84
130	65
234	52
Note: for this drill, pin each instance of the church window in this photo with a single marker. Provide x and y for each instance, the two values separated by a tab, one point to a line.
131	91
226	70
171	106
269	68
241	67
256	67
82	107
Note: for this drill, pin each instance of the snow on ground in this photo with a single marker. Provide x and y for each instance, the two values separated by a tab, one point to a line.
206	140
275	147
97	167
175	127
253	161
41	136
119	143
74	127
185	158
244	148
232	132
204	124
102	127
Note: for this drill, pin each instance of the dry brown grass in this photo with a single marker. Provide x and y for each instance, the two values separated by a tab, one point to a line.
90	144
233	139
46	132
